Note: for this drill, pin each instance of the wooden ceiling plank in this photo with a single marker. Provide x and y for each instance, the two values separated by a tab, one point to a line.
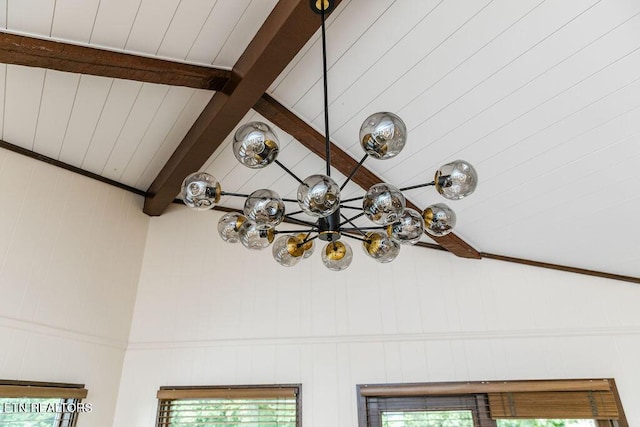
33	52
285	31
282	117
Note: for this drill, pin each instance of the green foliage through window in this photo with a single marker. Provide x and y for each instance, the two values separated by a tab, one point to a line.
17	412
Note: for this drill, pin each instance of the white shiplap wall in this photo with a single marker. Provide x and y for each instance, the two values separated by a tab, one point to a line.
213	313
70	257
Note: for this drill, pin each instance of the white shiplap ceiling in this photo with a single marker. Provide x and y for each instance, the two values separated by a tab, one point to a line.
542	96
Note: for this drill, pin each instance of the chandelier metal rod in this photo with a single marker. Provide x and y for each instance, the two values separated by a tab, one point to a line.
287	170
327	142
353	199
291	231
294	213
301	222
411	187
350	207
351	236
348	220
246	196
353	172
381	227
307	240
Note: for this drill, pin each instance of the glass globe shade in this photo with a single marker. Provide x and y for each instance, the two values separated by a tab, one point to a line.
255	145
380	247
337	255
456	180
229	226
383	203
200	191
383	135
319	196
408	228
265	208
439	219
288	250
253	237
309	246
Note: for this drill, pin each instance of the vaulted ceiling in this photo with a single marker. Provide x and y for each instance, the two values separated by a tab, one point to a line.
542	96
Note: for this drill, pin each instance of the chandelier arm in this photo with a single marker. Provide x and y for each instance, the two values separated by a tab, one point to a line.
300	222
291	231
351	236
227	193
411	187
353	199
351	207
290	200
349	220
353	172
287	170
381	227
307	240
327	142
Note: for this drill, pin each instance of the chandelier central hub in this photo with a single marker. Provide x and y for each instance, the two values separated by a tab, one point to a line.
329	227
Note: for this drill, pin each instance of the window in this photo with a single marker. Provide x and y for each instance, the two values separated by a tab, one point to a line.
38	404
255	406
554	403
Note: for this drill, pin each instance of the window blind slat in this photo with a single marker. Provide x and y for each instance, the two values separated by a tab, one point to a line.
222	393
599	405
14	391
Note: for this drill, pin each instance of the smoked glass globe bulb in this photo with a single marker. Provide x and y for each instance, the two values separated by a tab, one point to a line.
383	135
456	180
309	246
255	145
265	208
319	196
380	247
229	226
337	255
383	204
408	228
287	250
200	191
253	237
439	219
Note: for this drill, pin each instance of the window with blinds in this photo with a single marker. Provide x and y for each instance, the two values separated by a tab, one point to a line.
590	402
229	406
38	404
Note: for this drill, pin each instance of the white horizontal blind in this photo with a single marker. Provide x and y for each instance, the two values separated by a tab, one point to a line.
220	407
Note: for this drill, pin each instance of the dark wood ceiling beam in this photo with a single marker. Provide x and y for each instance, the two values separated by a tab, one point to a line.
33	52
282	117
286	30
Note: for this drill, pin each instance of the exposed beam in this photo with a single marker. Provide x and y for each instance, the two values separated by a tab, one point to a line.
66	166
286	30
282	117
32	52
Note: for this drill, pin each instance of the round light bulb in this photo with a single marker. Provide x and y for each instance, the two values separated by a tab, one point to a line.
408	228
200	191
288	250
229	226
383	204
380	247
319	196
253	237
255	145
265	208
337	255
383	135
439	219
456	180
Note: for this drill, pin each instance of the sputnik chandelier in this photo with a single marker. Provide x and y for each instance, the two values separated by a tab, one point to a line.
382	136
